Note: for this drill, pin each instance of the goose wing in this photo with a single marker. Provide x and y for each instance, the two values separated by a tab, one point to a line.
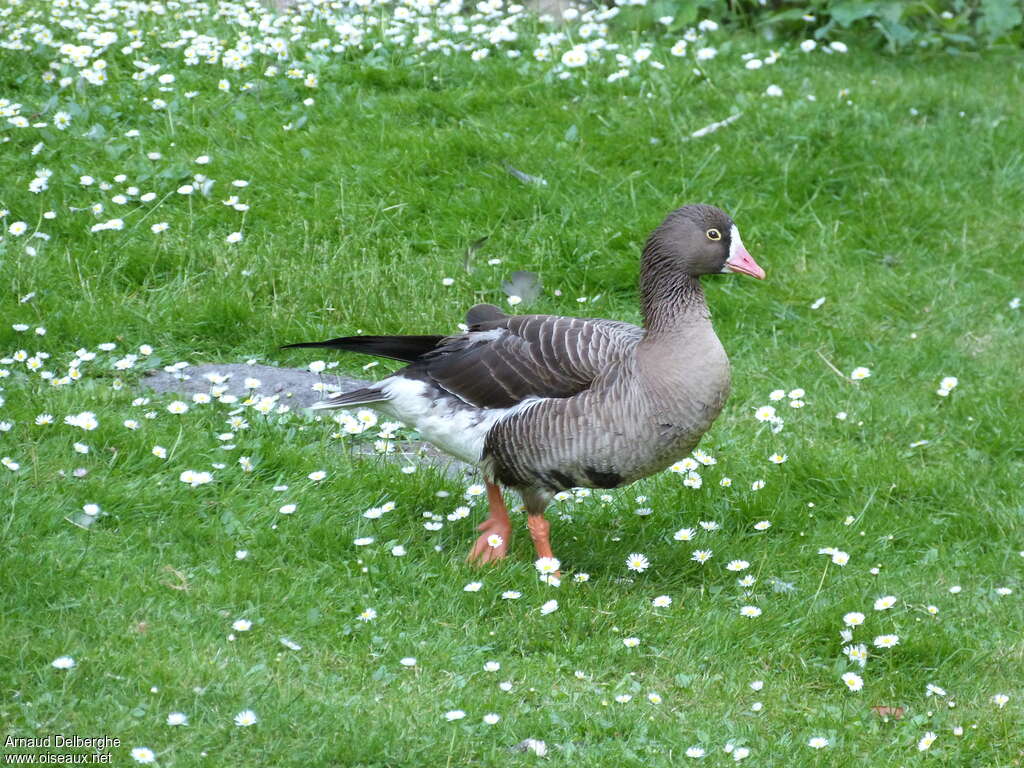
505	359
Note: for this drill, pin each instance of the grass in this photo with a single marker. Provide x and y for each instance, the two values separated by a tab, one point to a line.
898	200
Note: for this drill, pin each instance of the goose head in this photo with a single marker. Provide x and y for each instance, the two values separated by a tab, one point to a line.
701	240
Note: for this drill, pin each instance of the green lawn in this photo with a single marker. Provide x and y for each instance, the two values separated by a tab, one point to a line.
893	188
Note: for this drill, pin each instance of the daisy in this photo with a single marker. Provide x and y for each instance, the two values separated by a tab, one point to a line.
491	718
853	681
695	752
453	715
473	586
194	478
623	698
143	755
491	666
933	690
66	662
778	458
234	237
368	614
511	594
926	741
817	742
737	565
177	718
637	562
686	465
494	540
764	525
549	607
545	565
859	373
471	492
661	601
654	698
246	718
884	603
886	641
764	413
177	407
858	654
702	555
684	534
1000	699
575	57
853	619
750	611
631	642
408	661
704	458
242	625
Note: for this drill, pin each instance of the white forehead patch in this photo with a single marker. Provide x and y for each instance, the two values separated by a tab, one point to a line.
735	244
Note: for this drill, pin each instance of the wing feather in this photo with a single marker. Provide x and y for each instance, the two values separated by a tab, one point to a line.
505	359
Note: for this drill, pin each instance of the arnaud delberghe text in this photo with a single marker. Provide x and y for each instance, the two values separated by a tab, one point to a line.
58	740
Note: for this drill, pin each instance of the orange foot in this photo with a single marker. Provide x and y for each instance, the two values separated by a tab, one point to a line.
493	542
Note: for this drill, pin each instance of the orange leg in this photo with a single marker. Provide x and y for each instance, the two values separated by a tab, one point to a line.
536	503
496	530
539	530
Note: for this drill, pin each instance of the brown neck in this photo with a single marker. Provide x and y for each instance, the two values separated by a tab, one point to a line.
672	299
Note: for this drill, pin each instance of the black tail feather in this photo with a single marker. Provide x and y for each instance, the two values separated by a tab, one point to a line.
405	348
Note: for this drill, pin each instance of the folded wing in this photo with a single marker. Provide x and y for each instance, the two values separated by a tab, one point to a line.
505	359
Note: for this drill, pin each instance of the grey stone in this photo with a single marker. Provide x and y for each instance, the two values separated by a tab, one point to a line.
294	386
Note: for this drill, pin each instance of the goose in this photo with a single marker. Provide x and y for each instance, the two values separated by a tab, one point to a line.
543	403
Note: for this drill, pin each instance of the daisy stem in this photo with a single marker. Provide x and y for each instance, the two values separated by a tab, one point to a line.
820	583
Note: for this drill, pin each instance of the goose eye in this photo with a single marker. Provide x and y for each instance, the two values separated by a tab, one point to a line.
714	234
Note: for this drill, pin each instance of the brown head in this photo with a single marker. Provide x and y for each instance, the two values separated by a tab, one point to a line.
700	240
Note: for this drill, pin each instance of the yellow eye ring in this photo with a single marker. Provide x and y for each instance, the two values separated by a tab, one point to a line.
714	234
